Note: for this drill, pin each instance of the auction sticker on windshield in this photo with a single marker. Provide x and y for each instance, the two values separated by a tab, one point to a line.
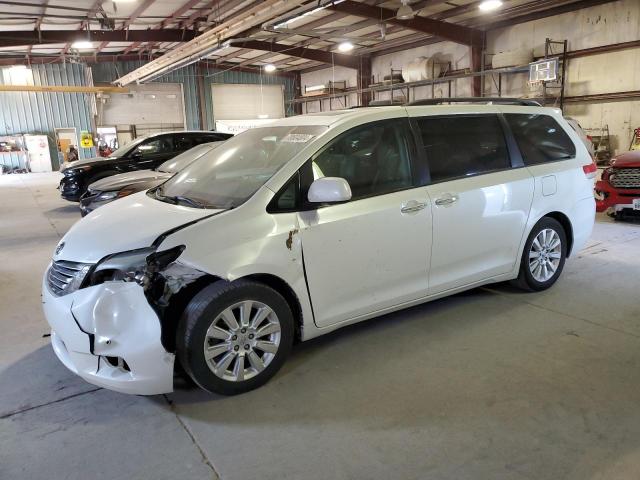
297	138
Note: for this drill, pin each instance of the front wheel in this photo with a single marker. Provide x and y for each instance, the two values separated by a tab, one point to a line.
233	337
543	257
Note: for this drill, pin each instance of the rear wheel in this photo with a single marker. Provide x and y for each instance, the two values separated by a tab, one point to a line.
233	337
543	257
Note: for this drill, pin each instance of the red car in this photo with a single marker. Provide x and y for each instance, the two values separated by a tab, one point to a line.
619	188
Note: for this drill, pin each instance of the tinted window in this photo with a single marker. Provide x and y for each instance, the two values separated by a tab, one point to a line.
373	158
540	138
183	142
156	145
461	146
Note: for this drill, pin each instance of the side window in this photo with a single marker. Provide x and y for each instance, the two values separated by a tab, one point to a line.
154	146
184	142
460	146
540	138
373	158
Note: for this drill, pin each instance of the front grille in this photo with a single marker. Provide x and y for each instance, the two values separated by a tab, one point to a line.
625	178
64	273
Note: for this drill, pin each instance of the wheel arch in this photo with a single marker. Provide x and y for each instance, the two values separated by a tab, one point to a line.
566	224
284	289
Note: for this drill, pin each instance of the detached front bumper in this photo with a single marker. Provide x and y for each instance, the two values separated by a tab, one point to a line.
612	198
110	336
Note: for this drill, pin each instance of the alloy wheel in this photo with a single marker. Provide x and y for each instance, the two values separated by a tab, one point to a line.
242	341
545	255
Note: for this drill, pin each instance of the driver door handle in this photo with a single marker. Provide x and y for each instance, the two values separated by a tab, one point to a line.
447	199
412	206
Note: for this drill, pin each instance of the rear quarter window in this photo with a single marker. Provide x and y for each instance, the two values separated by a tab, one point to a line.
540	138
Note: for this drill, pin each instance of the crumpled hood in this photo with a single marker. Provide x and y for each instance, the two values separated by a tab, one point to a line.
126	224
116	182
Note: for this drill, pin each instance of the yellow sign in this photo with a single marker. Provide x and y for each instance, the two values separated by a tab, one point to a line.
86	140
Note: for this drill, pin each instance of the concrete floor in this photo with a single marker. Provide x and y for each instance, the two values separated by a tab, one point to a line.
490	384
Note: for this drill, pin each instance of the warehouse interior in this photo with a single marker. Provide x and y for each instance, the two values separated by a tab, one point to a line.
490	383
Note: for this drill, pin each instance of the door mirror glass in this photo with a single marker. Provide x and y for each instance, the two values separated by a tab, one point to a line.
329	190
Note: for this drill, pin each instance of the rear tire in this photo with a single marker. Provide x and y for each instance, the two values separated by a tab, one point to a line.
234	336
543	257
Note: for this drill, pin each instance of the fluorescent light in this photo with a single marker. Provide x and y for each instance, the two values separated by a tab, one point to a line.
489	5
405	12
82	45
269	68
345	47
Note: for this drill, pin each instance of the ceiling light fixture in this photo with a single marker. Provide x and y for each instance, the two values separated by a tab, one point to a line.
82	45
405	12
345	47
269	68
489	5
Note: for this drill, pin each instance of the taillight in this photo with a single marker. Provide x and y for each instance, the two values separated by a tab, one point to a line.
590	169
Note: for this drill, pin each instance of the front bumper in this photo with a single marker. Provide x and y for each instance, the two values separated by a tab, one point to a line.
71	188
614	199
109	335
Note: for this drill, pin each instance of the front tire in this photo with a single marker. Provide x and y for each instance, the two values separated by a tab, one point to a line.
234	336
543	257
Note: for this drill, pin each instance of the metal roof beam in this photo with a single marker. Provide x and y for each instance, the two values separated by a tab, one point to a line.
446	31
33	37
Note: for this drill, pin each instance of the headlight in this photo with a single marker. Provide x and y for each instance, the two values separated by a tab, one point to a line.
133	266
106	196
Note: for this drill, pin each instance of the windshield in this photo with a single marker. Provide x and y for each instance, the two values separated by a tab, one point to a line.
230	174
119	152
186	158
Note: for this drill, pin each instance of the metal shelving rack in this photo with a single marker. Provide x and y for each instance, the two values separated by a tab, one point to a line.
408	88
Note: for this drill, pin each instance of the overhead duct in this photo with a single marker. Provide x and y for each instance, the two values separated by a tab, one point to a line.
208	42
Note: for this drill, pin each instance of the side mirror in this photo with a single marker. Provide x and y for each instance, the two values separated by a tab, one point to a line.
329	190
136	155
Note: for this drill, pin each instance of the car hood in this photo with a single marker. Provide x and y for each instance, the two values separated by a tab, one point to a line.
627	159
116	182
87	162
126	224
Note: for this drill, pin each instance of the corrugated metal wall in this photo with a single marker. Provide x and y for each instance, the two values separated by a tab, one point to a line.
42	113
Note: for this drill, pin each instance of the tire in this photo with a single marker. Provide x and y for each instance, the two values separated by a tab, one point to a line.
532	278
212	307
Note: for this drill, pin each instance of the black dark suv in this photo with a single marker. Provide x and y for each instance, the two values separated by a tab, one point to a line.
143	153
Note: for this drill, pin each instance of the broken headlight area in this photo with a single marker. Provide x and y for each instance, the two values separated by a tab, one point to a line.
140	266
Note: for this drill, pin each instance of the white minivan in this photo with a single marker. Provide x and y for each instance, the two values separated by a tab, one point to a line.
297	228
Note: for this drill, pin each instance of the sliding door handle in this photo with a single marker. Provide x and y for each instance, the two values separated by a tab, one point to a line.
447	199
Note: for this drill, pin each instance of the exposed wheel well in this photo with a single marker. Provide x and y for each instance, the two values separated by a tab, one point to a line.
566	224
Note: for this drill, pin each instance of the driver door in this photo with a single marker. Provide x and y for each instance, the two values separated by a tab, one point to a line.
372	252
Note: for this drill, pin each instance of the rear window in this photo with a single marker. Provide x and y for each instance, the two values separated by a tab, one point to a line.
540	138
462	146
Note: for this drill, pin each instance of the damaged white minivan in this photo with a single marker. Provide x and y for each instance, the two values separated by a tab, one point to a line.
294	229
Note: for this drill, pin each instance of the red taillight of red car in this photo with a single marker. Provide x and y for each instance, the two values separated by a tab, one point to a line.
590	169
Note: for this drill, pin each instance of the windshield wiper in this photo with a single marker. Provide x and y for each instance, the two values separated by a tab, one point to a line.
187	200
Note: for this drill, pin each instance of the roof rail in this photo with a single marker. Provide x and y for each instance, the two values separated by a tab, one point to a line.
496	100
